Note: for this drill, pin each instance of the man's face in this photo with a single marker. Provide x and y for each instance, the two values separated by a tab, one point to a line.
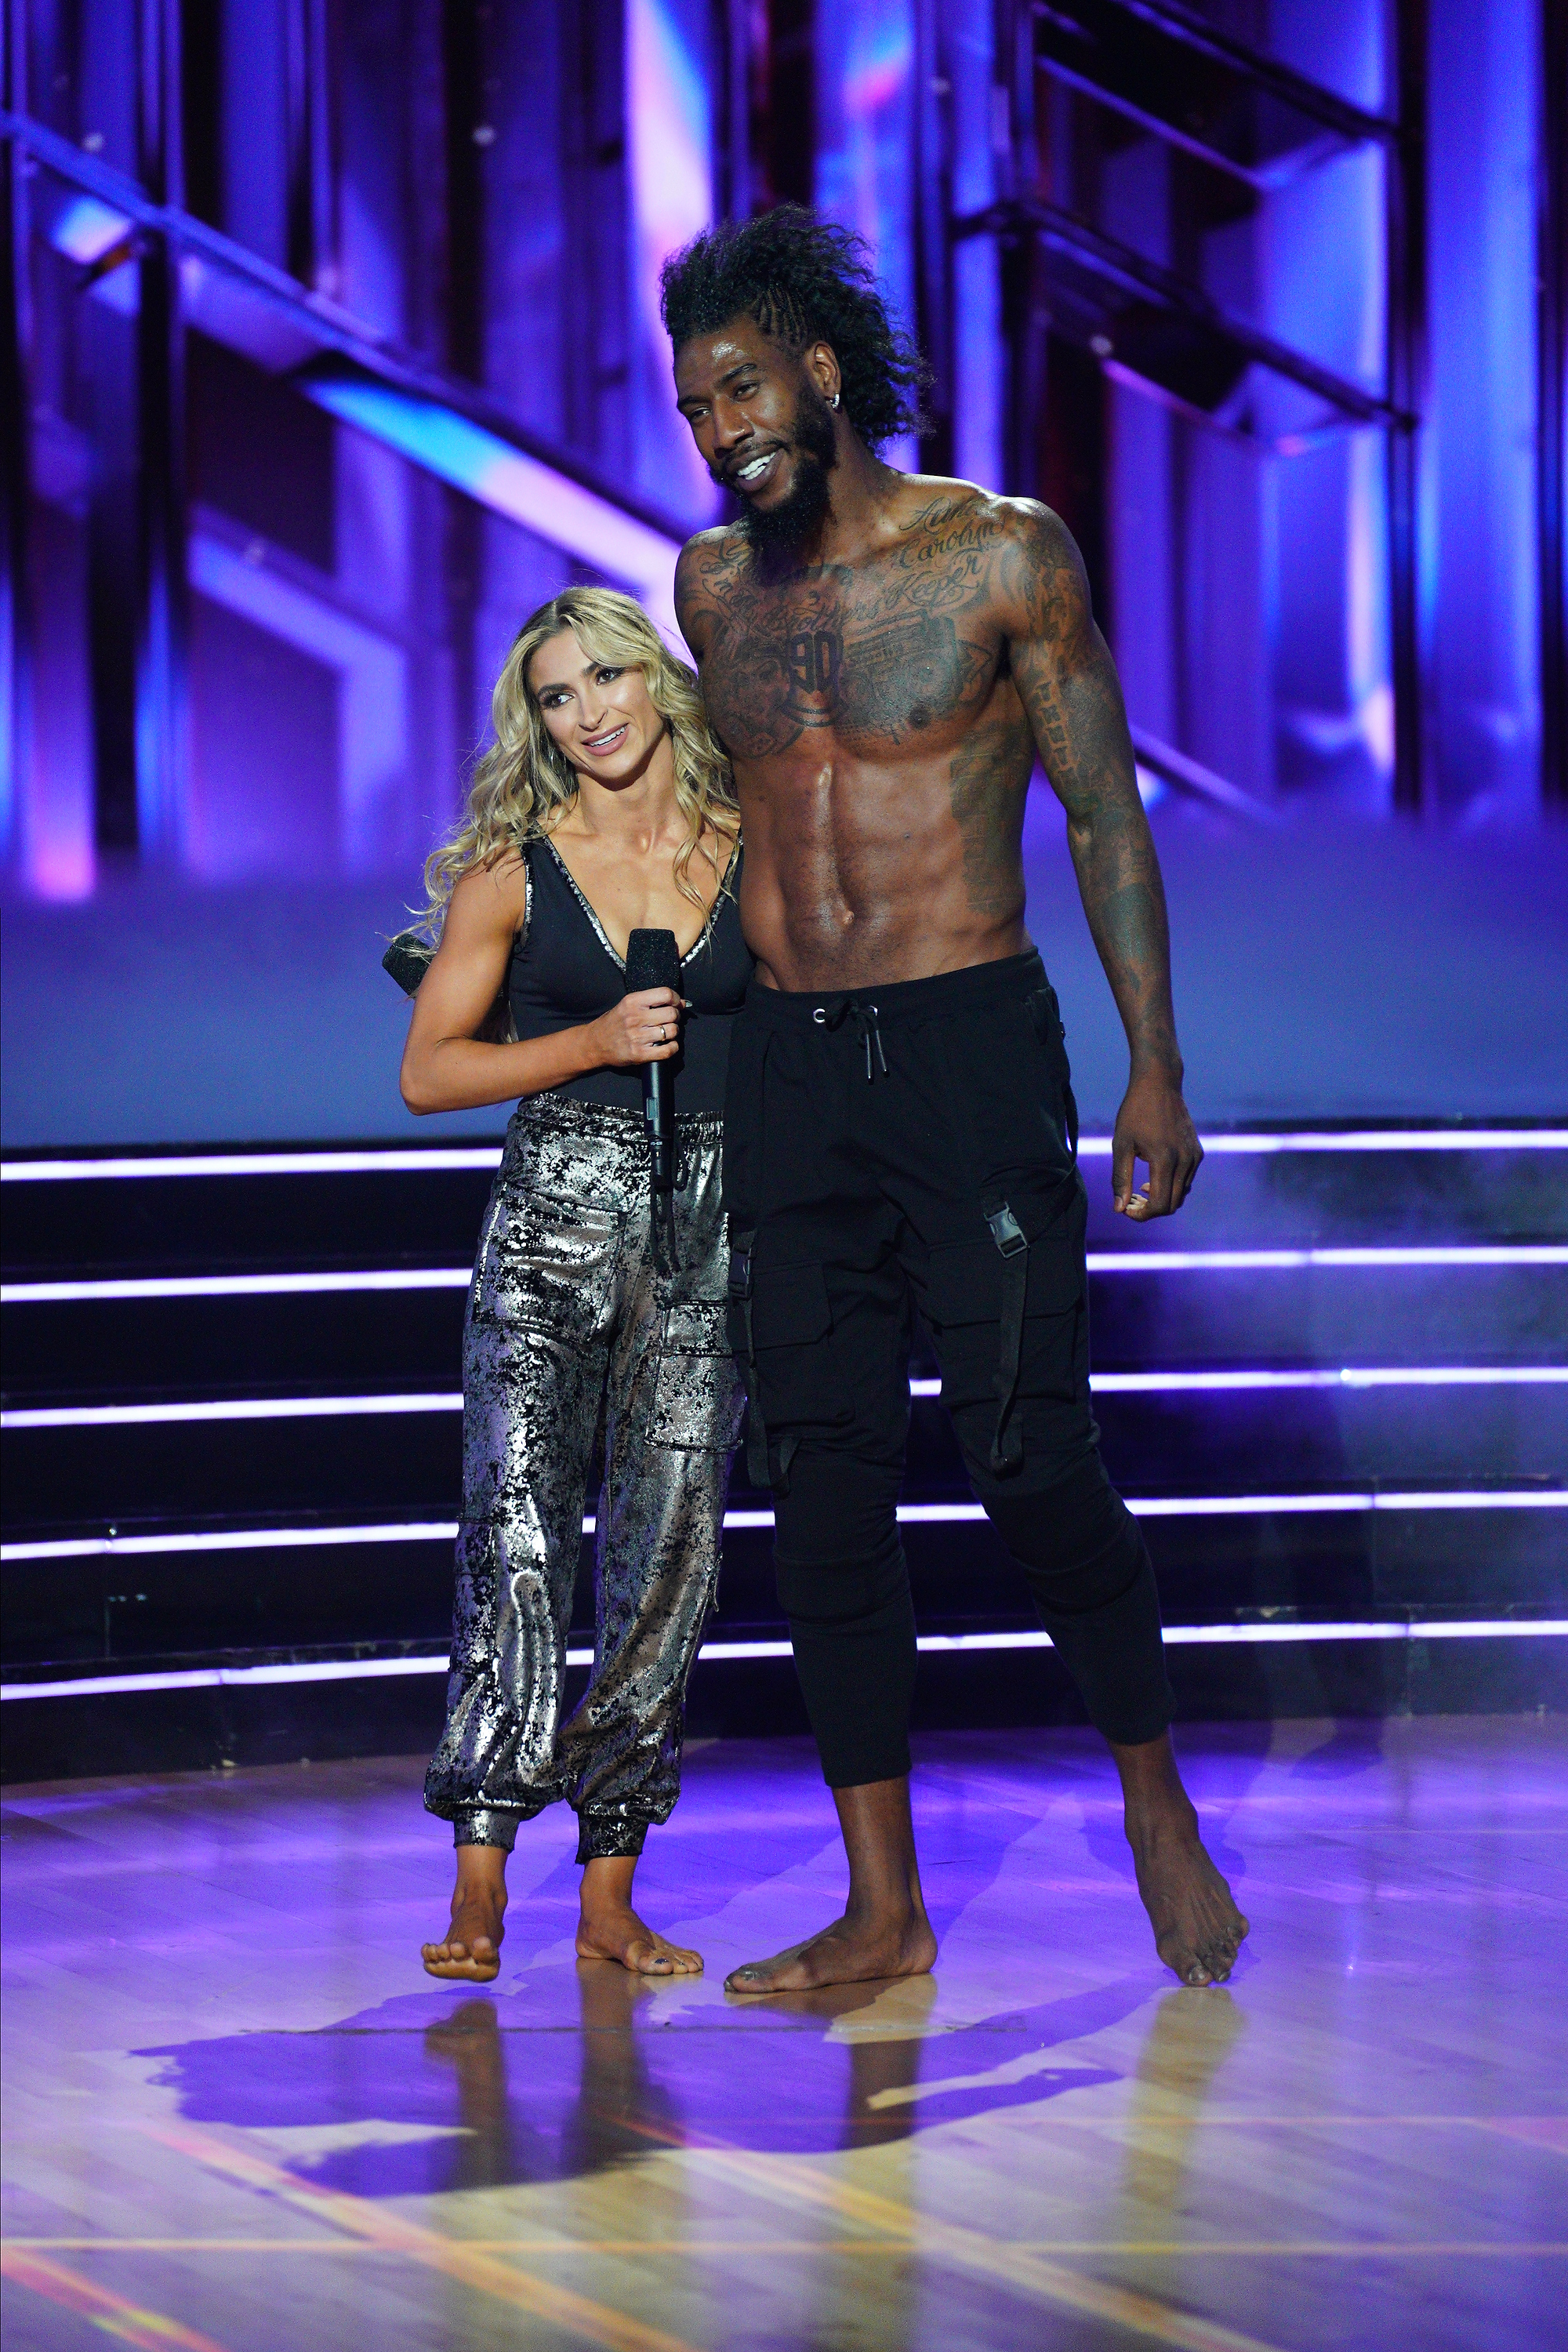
759	416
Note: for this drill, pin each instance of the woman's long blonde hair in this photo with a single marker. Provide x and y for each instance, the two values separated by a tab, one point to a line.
524	783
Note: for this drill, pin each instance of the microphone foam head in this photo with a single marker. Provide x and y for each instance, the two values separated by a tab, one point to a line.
653	960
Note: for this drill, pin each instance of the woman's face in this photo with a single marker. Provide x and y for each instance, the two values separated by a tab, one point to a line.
602	716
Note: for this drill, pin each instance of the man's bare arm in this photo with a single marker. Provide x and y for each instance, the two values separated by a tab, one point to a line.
694	568
1064	672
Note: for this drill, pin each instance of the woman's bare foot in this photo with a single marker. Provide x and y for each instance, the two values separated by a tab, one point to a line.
471	1949
884	1931
1197	1928
609	1929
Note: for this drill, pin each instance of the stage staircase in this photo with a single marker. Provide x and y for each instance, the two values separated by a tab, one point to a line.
1334	1389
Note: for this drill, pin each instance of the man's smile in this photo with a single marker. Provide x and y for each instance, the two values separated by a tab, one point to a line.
755	471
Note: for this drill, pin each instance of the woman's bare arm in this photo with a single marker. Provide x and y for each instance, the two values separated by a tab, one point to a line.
447	1068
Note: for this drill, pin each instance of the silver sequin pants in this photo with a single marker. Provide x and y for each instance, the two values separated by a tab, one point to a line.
571	1332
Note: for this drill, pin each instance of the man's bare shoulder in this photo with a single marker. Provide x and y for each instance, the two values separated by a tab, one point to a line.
725	544
707	569
935	506
1042	588
977	548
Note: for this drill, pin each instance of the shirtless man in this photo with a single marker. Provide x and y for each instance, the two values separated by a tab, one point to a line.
884	655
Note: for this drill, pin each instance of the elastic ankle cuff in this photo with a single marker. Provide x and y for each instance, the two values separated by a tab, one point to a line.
608	1837
487	1825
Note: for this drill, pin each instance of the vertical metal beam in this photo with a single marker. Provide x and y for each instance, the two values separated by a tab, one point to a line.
733	85
463	65
932	166
791	101
463	48
15	406
1551	425
1024	323
596	306
311	241
108	344
1405	212
161	619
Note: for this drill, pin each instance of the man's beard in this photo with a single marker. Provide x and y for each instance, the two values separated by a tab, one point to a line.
785	528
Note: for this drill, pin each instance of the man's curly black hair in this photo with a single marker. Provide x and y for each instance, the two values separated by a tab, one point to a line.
804	280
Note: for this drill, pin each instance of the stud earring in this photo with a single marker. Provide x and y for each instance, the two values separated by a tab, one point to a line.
834	401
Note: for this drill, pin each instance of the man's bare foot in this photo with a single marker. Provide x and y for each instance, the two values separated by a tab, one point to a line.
884	1931
851	1951
609	1929
1197	1928
470	1950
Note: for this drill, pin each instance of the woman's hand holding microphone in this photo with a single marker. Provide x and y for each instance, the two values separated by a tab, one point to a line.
644	1027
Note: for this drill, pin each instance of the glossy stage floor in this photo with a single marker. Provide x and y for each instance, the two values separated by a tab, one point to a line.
238	2115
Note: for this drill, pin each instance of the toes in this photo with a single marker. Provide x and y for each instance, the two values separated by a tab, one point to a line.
477	1962
682	1962
1184	1963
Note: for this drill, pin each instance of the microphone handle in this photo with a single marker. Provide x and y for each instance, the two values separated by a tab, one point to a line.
659	1111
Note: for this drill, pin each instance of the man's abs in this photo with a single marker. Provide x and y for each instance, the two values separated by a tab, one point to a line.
858	873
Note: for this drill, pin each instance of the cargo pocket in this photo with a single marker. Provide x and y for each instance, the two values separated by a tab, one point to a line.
698	1399
792	1325
965	1287
965	1283
549	1267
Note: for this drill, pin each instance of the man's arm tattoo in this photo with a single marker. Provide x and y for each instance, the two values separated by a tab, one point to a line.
1064	672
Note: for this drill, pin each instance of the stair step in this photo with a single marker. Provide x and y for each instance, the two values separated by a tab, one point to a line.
1430	1256
1511	1311
379	1464
1339	1564
331	1207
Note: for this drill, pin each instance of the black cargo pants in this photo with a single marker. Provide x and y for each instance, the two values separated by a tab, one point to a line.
910	1146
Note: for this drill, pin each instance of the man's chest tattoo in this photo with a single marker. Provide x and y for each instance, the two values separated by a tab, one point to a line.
780	666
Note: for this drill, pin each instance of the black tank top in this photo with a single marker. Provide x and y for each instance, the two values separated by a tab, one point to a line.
565	970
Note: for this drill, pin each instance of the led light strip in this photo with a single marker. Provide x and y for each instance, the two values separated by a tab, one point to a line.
443	1531
294	1408
1275	1261
334	1670
457	1277
250	1163
1144	1507
235	1285
1419	1376
1207	1506
1440	1376
1090	1147
1368	1139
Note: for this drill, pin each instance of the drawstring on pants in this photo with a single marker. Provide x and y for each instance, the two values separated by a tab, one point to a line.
864	1018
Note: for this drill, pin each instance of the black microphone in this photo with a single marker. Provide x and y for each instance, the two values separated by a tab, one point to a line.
653	960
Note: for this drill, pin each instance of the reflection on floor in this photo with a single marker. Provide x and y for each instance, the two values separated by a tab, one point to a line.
237	2115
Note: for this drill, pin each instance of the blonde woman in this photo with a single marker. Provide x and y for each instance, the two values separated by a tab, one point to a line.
604	805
